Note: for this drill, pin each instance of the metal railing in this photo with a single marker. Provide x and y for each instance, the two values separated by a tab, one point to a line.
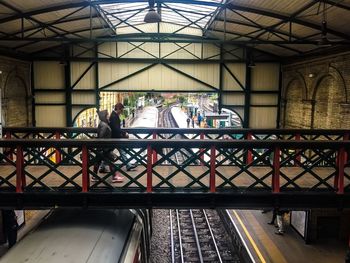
211	165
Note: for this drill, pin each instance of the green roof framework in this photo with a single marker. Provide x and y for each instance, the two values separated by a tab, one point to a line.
285	28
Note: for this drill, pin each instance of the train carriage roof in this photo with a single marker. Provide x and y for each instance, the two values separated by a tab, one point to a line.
75	235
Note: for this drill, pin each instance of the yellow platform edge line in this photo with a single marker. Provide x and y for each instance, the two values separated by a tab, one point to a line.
262	259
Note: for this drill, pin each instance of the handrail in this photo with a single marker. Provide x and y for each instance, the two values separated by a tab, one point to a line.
182	130
157	143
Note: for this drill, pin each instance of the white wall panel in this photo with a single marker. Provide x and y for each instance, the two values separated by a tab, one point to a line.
137	50
211	51
159	78
208	73
263	117
265	76
108	49
50	97
109	72
48	75
264	99
50	116
233	99
84	50
88	81
83	98
238	70
181	51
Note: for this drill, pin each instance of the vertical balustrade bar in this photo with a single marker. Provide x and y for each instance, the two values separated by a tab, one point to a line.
276	171
19	170
8	137
85	168
212	169
201	151
346	138
297	151
155	155
341	164
149	169
249	152
57	152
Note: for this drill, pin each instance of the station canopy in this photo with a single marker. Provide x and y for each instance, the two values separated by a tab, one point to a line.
286	28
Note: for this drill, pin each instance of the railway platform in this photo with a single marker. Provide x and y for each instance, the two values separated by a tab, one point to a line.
266	246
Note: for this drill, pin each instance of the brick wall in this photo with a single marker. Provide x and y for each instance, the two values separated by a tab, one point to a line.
316	93
15	92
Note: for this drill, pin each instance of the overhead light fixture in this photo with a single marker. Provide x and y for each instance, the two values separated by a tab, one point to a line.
152	16
251	64
324	41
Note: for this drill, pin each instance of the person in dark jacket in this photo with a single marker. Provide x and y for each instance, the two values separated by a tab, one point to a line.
103	132
115	124
10	226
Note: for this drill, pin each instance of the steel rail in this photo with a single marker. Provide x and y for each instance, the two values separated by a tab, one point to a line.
212	236
180	238
172	242
196	237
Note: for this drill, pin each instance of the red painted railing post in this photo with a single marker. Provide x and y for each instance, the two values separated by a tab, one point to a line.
201	150
276	171
341	164
155	155
57	152
297	160
249	152
19	170
212	169
85	168
149	169
8	137
346	138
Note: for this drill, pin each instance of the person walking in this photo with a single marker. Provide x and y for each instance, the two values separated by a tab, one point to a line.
280	221
10	226
103	132
188	122
115	124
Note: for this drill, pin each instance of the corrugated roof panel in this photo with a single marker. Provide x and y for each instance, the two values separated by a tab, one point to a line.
285	7
274	50
299	30
180	29
147	28
68	13
11	26
302	47
38	4
251	18
229	36
37	46
332	15
5	12
234	28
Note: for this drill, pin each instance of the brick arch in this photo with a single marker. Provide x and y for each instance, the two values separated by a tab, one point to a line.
293	96
328	93
297	76
15	101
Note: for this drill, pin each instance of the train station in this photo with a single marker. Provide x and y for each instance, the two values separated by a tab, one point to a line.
167	131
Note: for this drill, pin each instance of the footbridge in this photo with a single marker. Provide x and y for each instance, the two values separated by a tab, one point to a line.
232	168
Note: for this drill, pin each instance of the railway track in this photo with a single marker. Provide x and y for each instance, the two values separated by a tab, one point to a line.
196	235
